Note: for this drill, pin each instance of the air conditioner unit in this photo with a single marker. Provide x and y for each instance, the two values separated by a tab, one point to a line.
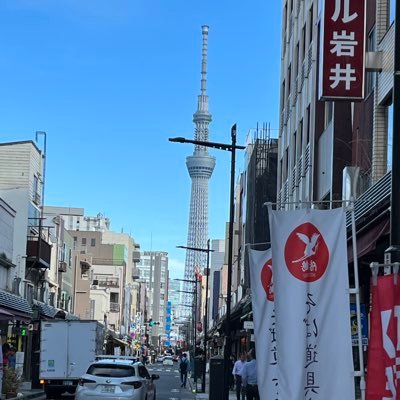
85	276
94	287
62	266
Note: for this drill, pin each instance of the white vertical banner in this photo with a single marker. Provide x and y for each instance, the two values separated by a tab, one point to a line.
262	298
312	304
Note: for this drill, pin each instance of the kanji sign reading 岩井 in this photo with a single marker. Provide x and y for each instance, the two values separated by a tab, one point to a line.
343	50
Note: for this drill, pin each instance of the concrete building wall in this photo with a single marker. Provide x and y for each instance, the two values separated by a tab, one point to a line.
101	304
7	216
19	200
21	166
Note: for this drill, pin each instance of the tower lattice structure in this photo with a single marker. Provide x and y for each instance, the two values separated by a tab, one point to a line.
200	166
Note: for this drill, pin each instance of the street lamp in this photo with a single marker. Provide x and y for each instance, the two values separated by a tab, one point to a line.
207	250
232	148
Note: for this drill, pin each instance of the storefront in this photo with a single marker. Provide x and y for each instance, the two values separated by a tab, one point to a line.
15	317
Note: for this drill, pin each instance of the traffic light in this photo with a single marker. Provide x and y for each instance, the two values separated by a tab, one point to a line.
151	322
24	331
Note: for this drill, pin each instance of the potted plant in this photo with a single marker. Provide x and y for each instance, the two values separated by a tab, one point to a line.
10	382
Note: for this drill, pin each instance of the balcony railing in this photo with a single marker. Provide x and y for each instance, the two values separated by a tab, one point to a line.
105	281
38	252
299	170
114	307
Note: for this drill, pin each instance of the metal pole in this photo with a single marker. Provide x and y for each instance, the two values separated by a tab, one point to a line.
203	382
228	339
358	306
395	194
195	336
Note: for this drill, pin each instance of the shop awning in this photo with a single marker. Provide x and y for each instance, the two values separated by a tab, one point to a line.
46	310
367	242
16	305
5	315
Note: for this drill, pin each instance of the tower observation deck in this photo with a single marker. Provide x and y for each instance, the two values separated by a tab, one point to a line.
200	166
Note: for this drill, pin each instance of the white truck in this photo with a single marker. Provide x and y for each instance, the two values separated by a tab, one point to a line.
66	350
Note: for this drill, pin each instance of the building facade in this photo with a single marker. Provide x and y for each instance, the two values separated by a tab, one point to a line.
153	269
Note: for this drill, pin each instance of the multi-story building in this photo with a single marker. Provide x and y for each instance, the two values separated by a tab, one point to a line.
153	269
334	150
216	262
21	187
319	140
116	255
7	216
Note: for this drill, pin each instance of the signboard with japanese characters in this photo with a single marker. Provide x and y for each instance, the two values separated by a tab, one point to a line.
342	55
311	298
384	349
262	299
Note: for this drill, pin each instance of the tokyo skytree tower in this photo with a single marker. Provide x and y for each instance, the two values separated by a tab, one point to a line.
200	166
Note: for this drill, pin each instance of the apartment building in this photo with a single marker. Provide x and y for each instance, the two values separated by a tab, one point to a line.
320	140
153	269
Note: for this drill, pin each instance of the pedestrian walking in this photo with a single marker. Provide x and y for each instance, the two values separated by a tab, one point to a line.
183	369
249	377
12	357
6	352
237	374
232	361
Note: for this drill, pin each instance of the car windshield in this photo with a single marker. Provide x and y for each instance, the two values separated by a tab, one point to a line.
111	371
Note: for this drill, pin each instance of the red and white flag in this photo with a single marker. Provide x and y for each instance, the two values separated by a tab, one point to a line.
312	305
262	298
384	342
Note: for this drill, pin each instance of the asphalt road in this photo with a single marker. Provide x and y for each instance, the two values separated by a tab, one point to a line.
168	386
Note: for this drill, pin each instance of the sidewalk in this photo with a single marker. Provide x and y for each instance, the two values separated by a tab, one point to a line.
232	393
29	394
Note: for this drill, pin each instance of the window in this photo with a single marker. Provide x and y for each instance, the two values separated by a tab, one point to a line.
311	22
371	76
143	373
114	297
328	113
294	148
301	137
83	241
111	371
92	242
308	125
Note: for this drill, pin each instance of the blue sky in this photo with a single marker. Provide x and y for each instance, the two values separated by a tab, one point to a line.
110	81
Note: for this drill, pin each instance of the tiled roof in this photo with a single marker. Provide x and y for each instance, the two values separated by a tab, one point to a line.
14	302
45	309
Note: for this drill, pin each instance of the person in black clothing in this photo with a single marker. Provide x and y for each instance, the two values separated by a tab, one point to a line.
183	369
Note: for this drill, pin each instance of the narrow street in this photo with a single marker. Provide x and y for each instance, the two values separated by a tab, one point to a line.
168	386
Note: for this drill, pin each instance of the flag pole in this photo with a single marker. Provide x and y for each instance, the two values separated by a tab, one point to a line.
356	291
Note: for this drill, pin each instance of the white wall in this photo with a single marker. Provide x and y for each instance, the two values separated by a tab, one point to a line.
102	303
19	200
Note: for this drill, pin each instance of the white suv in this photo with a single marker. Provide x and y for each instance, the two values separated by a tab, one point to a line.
108	379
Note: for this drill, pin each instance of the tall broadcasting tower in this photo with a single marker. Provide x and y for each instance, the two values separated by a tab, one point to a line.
200	166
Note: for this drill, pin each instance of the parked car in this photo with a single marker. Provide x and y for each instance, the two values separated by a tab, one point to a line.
168	360
121	378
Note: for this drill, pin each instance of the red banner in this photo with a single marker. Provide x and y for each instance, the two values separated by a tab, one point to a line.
384	350
343	50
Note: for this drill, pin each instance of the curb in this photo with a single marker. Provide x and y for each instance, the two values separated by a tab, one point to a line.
29	396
